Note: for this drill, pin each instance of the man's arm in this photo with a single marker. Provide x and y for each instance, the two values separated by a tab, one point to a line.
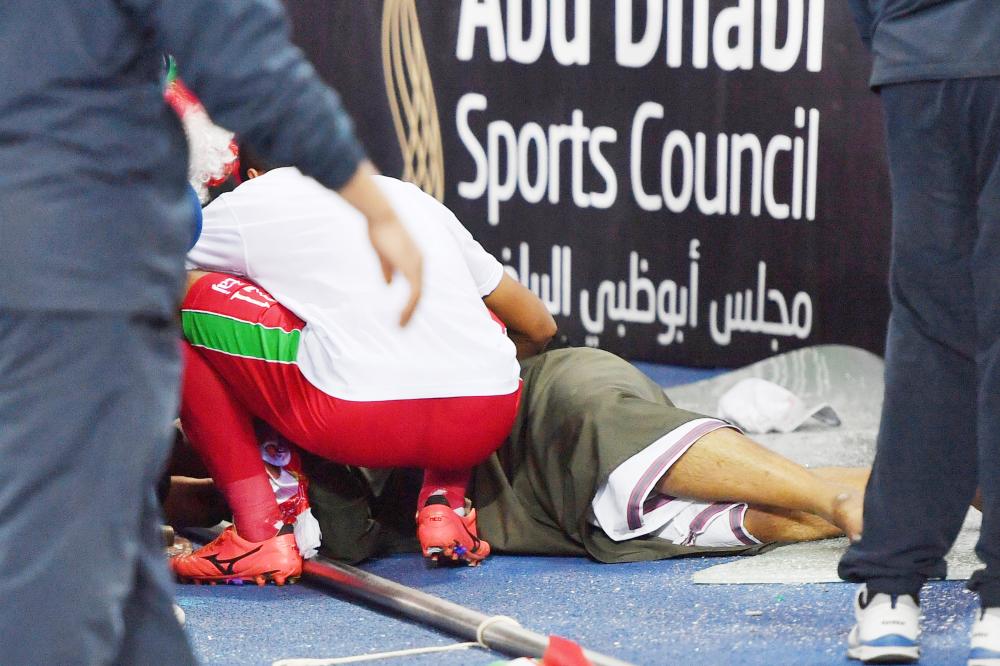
528	321
237	57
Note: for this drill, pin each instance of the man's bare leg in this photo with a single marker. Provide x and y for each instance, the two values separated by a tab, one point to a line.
726	466
856	477
194	502
770	524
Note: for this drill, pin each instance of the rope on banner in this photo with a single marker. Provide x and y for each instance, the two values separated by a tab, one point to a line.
411	97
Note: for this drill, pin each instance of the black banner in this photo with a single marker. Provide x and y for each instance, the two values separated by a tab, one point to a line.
696	182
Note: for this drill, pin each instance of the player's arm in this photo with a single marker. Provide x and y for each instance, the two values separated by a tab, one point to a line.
528	321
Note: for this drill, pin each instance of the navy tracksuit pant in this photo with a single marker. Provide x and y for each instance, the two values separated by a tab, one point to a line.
940	430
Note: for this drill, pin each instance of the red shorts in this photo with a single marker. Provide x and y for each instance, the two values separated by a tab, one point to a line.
251	340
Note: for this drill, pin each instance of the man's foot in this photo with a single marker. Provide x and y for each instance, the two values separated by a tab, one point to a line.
887	629
444	533
847	513
233	559
984	646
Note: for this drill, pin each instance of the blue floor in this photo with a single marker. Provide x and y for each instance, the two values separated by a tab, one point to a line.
646	613
674	375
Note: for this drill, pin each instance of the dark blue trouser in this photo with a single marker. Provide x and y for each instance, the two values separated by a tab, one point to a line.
940	430
86	403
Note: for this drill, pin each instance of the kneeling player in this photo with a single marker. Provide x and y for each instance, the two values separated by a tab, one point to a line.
331	370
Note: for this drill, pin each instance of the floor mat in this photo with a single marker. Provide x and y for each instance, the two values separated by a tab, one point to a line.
848	378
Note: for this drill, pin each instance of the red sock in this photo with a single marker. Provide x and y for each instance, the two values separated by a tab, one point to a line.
255	511
221	431
453	483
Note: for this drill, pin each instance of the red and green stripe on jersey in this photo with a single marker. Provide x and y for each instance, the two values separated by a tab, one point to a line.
248	325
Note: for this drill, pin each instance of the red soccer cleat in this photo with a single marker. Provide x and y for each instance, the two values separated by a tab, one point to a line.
232	559
442	532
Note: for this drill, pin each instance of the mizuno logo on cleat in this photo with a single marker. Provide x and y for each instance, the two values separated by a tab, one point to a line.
225	567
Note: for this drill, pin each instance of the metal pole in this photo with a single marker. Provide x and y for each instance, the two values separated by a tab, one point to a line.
495	632
502	635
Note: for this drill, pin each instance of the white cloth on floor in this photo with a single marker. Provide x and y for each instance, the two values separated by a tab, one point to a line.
758	406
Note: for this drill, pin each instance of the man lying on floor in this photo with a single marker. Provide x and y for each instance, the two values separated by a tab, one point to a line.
599	463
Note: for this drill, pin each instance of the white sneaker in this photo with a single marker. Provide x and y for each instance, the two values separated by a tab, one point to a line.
179	614
984	646
887	629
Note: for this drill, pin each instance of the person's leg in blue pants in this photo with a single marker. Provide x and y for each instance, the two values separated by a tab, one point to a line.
986	286
86	403
942	380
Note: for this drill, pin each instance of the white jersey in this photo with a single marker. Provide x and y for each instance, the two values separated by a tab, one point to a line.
310	249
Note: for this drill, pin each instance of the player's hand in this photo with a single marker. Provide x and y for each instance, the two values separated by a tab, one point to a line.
392	242
397	251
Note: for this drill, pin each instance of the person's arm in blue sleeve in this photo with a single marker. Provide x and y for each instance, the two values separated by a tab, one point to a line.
238	58
864	19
